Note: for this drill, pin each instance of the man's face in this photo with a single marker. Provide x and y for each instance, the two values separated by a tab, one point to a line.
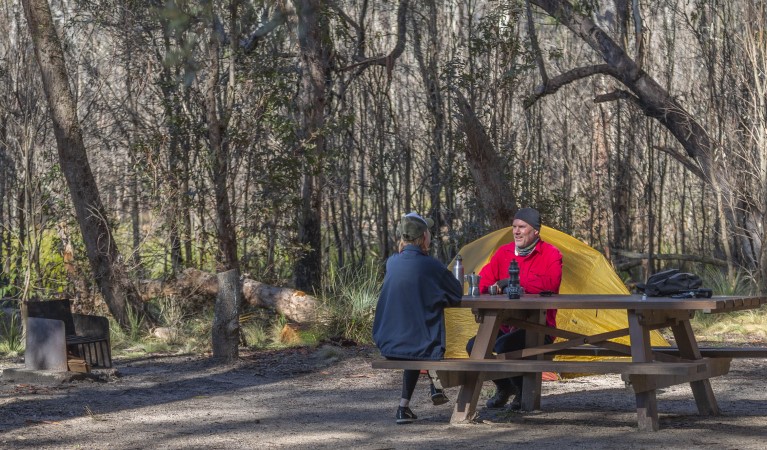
524	234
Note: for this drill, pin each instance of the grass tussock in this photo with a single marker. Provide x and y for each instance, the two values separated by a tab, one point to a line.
349	297
11	337
748	326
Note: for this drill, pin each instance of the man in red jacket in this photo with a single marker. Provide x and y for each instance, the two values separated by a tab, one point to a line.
540	270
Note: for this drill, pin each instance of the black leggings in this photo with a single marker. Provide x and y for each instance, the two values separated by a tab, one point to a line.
409	380
508	342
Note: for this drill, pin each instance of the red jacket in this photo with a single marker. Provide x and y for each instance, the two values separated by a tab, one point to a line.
539	271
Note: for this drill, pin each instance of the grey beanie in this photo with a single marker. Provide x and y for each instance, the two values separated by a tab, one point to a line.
529	215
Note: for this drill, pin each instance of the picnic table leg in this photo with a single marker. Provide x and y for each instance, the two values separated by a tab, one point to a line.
531	382
468	395
688	349
641	351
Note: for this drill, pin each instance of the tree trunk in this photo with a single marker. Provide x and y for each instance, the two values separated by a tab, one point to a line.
315	45
3	184
621	189
200	287
227	240
105	260
485	167
429	70
226	325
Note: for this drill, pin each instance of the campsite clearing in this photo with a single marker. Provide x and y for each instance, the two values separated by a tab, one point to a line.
330	398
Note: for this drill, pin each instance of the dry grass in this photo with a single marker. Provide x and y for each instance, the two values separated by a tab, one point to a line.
742	327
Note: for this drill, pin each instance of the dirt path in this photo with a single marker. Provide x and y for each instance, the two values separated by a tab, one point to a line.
331	398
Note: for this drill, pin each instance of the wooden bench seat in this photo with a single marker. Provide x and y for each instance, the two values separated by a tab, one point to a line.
706	352
536	366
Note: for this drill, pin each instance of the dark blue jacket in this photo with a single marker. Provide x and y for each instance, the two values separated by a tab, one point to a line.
409	321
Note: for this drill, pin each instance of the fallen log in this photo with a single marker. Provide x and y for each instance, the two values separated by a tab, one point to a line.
198	288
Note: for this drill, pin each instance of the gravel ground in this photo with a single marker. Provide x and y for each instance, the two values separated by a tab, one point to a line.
329	397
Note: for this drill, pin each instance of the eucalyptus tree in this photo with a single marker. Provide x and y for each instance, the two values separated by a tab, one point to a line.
106	262
637	88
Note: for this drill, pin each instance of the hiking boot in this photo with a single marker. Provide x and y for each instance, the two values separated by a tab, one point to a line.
438	396
405	415
499	399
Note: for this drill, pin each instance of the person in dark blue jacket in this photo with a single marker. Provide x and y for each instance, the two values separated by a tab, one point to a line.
409	321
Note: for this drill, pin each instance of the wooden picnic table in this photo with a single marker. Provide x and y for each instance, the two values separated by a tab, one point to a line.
647	369
644	315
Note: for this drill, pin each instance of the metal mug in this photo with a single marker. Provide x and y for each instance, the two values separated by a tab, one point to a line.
493	289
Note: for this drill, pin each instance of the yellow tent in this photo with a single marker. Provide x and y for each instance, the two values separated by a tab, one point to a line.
585	271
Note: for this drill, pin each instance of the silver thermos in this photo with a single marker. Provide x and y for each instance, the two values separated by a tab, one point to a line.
458	269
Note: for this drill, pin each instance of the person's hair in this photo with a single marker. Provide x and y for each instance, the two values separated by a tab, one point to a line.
418	242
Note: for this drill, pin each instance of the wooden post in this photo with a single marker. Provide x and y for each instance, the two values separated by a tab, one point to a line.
647	403
226	320
466	404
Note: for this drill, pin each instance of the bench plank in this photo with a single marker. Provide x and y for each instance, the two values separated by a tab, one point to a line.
706	352
539	366
715	367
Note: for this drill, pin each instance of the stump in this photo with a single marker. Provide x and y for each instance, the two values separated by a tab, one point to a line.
226	323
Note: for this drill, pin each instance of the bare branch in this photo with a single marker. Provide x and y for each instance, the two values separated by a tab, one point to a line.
637	257
554	84
388	60
358	28
618	94
638	27
686	162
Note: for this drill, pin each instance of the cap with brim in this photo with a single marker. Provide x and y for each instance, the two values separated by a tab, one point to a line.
412	226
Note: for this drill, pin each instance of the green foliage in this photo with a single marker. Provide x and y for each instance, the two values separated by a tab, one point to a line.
7	290
716	326
170	311
144	347
180	333
585	7
349	296
54	275
135	324
50	279
722	283
11	342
